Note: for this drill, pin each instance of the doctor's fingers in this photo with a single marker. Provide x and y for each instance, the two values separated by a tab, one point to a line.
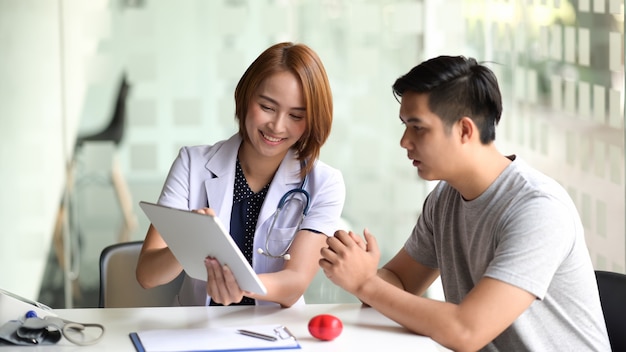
213	275
215	285
205	211
233	289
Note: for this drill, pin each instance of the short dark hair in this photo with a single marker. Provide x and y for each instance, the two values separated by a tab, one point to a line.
457	86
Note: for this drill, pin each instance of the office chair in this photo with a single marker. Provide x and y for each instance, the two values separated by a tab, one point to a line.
67	216
118	285
612	288
114	133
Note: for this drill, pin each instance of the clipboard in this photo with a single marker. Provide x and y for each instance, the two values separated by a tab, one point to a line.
192	237
214	339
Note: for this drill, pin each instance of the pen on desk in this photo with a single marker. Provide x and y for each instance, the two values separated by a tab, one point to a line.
258	335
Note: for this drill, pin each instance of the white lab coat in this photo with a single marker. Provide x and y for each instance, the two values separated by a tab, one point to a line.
205	174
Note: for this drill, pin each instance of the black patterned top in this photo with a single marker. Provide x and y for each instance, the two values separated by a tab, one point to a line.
244	216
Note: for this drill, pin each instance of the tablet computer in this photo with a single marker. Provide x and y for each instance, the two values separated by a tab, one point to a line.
192	237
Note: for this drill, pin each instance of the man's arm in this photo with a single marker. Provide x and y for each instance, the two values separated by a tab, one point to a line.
417	278
404	272
484	313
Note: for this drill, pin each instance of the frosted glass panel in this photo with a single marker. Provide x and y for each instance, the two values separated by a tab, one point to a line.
560	65
578	55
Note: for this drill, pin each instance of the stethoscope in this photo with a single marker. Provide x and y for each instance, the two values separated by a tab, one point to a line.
69	329
283	200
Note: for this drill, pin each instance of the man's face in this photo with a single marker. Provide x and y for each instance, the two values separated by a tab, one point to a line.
428	143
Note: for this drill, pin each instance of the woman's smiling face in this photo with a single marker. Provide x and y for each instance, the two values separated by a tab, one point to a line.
276	114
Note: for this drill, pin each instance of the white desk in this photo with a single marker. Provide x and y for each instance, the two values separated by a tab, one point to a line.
364	329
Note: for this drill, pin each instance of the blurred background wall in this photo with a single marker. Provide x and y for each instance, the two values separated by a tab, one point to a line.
560	65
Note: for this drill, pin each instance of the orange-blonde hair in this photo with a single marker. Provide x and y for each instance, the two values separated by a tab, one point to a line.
304	63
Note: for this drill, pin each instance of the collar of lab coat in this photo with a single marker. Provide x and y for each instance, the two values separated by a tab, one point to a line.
220	187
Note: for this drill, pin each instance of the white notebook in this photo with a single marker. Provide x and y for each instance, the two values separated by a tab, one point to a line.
193	237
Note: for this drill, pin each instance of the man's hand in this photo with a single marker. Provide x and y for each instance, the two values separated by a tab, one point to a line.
348	261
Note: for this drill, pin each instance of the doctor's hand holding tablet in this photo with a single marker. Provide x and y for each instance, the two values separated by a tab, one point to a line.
221	285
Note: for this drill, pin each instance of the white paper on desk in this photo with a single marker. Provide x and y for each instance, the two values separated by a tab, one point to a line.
212	339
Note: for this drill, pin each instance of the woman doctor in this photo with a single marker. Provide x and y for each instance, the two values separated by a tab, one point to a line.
283	105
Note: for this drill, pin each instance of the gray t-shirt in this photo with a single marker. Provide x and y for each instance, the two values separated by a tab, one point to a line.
523	230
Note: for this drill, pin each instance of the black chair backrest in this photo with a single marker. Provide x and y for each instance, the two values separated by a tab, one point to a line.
612	288
114	131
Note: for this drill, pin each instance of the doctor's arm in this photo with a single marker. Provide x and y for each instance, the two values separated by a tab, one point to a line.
156	264
284	287
289	284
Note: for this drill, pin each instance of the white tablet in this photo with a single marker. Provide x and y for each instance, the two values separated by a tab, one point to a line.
193	237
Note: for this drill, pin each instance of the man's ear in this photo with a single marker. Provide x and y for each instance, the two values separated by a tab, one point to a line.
467	129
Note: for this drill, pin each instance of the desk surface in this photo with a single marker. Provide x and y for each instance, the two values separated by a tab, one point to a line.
364	328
